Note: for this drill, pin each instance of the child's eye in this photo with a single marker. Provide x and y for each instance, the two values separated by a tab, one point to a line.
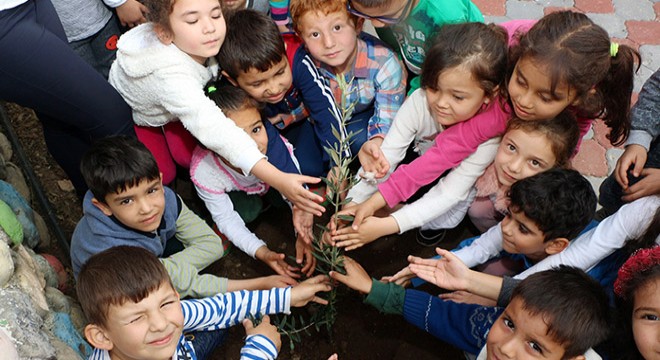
217	15
153	190
508	323
650	317
135	320
315	34
519	81
510	147
535	347
337	27
280	72
459	98
545	98
167	304
523	230
256	130
126	201
535	163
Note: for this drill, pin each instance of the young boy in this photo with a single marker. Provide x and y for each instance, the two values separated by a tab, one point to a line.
134	312
233	198
406	25
541	321
377	81
234	5
128	205
298	100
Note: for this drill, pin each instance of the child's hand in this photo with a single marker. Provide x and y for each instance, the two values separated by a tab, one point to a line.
131	13
648	185
333	176
634	154
305	257
264	328
402	277
276	281
371	229
334	357
448	272
303	222
306	291
276	262
362	211
291	186
356	277
372	158
467	298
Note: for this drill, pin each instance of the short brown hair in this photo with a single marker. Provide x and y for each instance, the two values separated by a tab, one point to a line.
298	8
115	276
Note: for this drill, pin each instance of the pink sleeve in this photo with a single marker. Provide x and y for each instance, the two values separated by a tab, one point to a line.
584	124
513	26
449	149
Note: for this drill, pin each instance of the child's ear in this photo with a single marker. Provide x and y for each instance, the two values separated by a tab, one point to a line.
556	246
359	24
231	80
97	337
164	35
102	206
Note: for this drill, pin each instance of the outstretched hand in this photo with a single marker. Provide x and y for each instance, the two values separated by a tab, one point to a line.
305	292
291	187
356	277
264	328
372	159
448	272
303	223
276	262
305	257
402	277
371	229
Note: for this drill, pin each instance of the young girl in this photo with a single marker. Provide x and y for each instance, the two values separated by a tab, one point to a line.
161	69
638	289
214	178
472	51
564	61
527	148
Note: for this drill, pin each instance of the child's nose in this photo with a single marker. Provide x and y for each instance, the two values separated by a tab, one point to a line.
157	322
515	165
208	26
328	41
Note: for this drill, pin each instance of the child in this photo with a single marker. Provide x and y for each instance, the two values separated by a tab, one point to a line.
406	25
254	58
377	84
445	98
638	289
128	205
642	152
161	69
234	5
527	148
214	178
135	312
540	320
564	61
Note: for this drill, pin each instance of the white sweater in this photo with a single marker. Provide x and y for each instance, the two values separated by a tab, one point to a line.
161	83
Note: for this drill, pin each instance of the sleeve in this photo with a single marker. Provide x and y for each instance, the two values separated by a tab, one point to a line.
450	148
508	284
222	311
405	126
645	113
386	297
277	152
450	190
229	222
206	122
114	3
629	222
279	11
258	347
482	249
202	248
318	99
390	92
465	326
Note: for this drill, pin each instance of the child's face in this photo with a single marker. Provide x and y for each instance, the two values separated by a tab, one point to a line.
331	38
522	154
249	119
517	334
139	207
233	4
529	90
268	86
146	330
646	319
394	13
520	235
458	96
198	28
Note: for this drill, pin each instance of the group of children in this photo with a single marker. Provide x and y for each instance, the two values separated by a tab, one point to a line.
491	115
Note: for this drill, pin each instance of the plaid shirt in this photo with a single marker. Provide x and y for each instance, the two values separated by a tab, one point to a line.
379	83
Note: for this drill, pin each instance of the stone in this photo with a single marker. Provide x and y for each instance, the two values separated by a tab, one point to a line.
29	279
47	270
65	185
42	230
60	325
10	224
63	350
19	205
20	319
5	147
6	264
57	301
58	269
16	178
77	315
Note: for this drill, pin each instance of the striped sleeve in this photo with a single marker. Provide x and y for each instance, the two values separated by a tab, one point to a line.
258	347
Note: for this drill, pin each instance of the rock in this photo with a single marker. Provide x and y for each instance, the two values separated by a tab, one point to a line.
42	229
77	316
57	301
7	348
5	147
62	350
65	185
59	271
44	267
22	322
29	279
16	178
18	203
60	325
10	224
6	264
5	238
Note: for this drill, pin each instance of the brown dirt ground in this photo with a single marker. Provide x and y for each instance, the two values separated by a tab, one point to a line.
360	332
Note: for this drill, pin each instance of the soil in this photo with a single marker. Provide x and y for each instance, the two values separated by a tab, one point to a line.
360	331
